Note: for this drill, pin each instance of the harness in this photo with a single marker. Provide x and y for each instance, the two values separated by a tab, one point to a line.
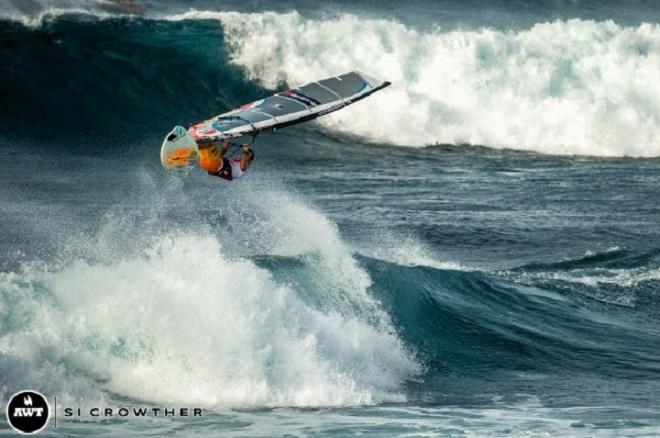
225	170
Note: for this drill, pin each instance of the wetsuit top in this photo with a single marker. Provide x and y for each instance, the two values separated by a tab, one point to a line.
230	169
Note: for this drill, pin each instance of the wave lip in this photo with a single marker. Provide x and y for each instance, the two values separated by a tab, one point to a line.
615	276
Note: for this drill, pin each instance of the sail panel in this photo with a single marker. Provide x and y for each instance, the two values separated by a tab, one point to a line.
288	107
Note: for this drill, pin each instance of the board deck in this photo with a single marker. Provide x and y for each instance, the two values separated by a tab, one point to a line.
179	151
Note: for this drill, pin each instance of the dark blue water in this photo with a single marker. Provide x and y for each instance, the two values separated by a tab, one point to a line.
365	277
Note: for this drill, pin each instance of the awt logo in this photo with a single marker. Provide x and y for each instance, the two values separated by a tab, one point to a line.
28	412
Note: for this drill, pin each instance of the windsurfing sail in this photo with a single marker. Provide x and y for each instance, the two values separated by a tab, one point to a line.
288	107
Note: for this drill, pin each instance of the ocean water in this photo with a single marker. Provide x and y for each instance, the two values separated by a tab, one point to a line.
474	251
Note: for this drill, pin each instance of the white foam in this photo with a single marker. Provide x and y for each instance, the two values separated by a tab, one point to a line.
41	11
566	87
610	285
574	87
596	277
183	324
405	251
185	319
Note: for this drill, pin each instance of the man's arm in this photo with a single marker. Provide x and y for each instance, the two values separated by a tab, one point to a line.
212	144
245	158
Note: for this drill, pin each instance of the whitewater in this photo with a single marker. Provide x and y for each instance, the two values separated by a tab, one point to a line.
143	326
589	87
569	87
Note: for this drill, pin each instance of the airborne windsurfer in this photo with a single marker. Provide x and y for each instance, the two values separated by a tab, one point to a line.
183	148
213	160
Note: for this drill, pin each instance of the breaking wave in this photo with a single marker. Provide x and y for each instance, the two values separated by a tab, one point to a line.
269	309
575	87
565	87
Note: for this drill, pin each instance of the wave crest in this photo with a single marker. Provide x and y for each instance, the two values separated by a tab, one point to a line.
182	323
566	87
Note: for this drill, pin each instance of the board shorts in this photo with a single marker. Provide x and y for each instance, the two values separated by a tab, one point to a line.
226	168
